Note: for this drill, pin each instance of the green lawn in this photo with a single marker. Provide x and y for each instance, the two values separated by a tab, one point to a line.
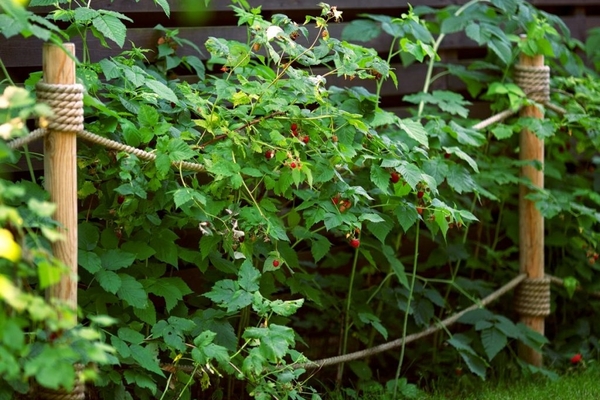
579	385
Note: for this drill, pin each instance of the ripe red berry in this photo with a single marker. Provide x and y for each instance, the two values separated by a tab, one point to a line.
292	165
419	210
275	263
576	358
354	243
305	139
447	155
294	126
269	154
394	177
420	194
335	200
120	199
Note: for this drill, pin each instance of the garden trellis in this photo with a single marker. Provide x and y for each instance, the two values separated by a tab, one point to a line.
61	92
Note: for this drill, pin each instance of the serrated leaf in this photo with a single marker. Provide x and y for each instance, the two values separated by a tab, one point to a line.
162	90
460	180
111	27
89	260
164	4
115	259
463	156
411	174
109	281
132	291
380	229
248	276
407	216
145	359
361	30
396	265
141	250
475	363
169	288
320	247
493	342
415	130
473	316
240	299
374	321
380	177
286	308
130	335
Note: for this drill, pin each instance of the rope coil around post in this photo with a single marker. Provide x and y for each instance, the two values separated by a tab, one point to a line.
535	82
532	297
66	102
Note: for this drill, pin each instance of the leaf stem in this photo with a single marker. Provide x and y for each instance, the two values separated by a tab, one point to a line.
347	322
407	312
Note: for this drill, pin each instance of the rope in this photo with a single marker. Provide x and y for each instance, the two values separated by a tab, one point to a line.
493	119
66	102
532	297
410	338
535	82
78	392
32	136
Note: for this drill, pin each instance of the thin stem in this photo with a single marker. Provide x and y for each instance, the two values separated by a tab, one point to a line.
436	46
407	312
347	321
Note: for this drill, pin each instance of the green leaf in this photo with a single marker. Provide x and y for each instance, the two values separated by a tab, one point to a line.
407	216
463	156
164	4
109	281
115	259
361	30
88	236
111	27
131	336
162	90
493	342
502	131
286	308
320	247
415	130
375	322
411	174
169	288
476	364
89	260
222	291
141	250
248	277
380	229
396	265
460	180
179	150
145	359
240	299
132	291
141	380
380	177
473	316
148	116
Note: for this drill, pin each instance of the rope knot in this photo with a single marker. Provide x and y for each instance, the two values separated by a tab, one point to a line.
535	82
532	297
66	102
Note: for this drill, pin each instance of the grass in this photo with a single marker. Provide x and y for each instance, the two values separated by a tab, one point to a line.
579	385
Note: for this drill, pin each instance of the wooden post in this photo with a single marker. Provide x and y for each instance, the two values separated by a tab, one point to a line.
531	222
60	174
